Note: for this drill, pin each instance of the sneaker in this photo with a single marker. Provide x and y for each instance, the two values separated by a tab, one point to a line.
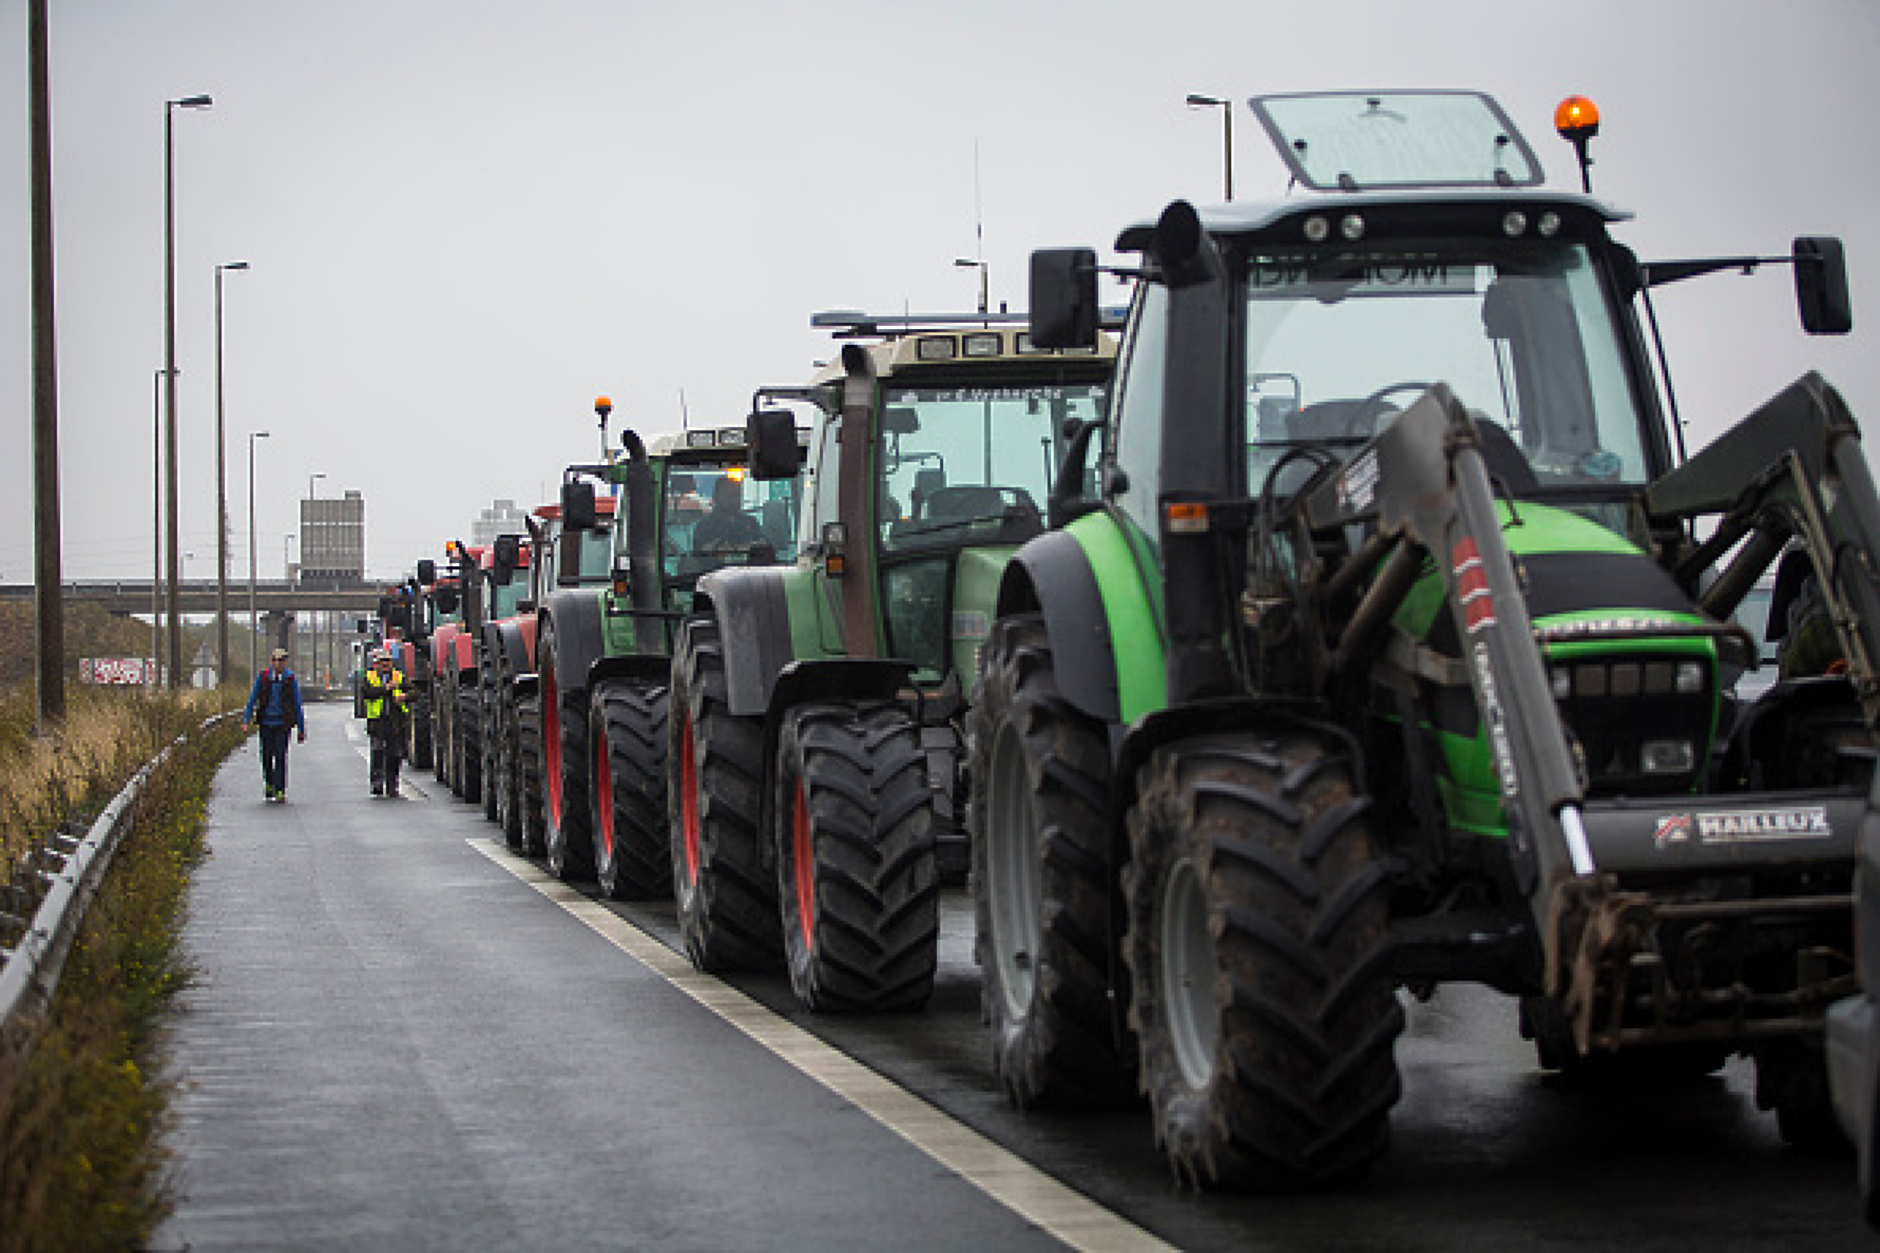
281	796
378	789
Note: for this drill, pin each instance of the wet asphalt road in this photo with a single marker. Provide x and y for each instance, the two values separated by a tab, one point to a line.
403	1038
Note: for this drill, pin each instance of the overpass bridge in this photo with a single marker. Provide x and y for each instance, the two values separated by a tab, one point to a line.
273	597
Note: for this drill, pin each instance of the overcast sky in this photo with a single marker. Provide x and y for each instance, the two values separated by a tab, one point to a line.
466	218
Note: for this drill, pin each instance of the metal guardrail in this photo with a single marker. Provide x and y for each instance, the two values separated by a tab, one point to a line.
71	871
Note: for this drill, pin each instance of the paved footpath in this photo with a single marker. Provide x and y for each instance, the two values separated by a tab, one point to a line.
394	1043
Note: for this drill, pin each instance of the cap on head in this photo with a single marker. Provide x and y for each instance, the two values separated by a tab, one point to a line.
279	654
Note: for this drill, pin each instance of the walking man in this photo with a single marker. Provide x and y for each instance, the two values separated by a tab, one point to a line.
275	704
385	721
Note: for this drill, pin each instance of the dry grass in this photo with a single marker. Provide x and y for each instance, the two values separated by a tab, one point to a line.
82	1163
108	734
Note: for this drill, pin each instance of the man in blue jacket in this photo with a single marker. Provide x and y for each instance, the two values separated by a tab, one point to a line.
275	704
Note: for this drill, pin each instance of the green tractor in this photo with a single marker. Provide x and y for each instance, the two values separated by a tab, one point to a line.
1398	648
687	508
817	732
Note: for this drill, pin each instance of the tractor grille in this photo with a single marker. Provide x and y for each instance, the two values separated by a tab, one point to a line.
1642	722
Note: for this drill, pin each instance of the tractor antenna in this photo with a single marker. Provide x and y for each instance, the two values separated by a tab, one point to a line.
685	416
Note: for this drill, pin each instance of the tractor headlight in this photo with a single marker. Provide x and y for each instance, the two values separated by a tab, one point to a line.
1690	679
1668	757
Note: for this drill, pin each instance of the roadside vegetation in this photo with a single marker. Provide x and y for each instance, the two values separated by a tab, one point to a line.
83	1102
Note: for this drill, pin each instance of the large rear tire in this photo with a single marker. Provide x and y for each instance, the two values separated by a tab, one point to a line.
469	746
528	768
857	877
727	901
418	729
568	839
495	760
442	706
1259	961
628	736
1043	895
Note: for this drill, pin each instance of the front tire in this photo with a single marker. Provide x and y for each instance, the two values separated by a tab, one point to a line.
628	736
727	902
856	873
1041	881
1259	958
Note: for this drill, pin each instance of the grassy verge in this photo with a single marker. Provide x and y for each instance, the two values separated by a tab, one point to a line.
81	1163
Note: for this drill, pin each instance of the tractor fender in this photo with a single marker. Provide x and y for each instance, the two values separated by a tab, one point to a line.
576	615
753	616
443	648
1214	717
1052	575
508	651
465	651
641	667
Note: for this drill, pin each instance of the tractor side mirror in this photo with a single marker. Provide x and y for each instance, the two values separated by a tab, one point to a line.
1821	285
427	572
770	436
505	557
1064	298
577	506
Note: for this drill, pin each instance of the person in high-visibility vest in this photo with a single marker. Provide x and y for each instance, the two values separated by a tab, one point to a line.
386	710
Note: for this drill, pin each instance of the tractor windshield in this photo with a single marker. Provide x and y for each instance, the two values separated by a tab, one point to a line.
718	516
1524	336
953	460
504	597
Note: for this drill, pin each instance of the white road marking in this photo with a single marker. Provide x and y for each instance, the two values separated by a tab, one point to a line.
1005	1177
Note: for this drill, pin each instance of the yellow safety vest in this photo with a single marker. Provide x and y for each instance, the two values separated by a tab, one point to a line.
376	691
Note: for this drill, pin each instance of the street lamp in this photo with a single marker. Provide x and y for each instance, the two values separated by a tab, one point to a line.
156	522
967	263
253	621
173	541
311	531
287	542
1198	101
221	491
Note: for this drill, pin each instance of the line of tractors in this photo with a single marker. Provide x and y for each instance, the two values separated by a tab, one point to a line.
1353	623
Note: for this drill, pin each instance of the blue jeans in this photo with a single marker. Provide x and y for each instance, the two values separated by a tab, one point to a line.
274	755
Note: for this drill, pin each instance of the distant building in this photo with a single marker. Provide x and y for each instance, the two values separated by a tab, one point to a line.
333	539
501	518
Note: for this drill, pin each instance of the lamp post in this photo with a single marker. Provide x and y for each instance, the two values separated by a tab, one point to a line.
221	491
287	542
253	621
1199	101
311	531
173	543
973	263
156	521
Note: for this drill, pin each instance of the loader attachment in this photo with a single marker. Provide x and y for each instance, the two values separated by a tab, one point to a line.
1793	470
1424	487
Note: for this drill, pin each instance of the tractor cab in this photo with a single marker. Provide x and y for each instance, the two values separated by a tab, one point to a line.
960	424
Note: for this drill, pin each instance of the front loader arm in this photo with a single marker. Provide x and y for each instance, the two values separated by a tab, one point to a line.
1424	488
1794	468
